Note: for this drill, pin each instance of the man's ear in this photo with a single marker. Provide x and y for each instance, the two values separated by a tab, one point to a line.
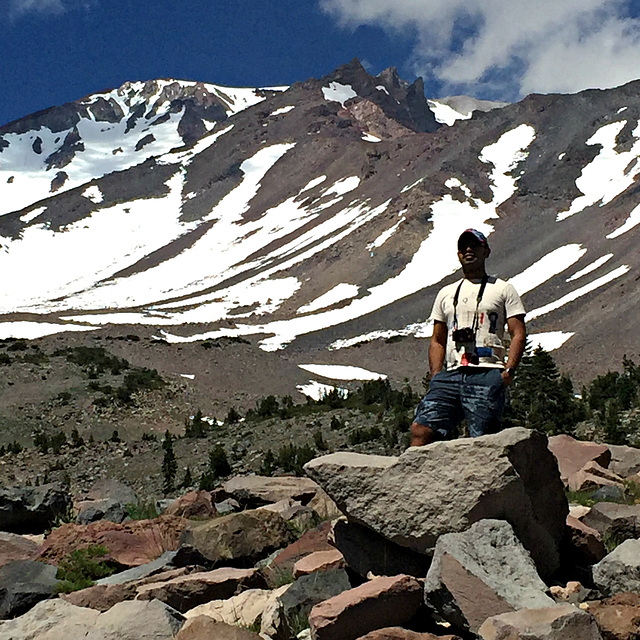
487	251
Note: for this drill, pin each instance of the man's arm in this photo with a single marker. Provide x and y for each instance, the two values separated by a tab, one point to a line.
437	347
518	332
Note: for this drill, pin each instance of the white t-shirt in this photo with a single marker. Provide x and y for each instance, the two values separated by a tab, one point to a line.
499	302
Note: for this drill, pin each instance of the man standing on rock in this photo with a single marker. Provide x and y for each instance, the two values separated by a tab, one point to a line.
468	359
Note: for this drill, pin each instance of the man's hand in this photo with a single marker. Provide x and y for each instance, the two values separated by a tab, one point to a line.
507	377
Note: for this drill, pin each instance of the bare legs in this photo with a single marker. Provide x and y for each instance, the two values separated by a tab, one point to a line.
421	435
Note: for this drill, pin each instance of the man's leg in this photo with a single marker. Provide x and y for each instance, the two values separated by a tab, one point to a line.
483	398
439	413
421	435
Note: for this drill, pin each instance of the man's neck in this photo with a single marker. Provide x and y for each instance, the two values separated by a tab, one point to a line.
474	274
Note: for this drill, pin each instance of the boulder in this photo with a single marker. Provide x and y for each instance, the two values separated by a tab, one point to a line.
295	603
609	493
381	602
17	547
101	596
482	572
324	506
32	509
559	622
573	592
254	491
614	521
107	509
159	565
129	544
188	591
618	617
625	461
240	538
53	619
593	476
583	545
446	486
279	566
227	506
204	628
398	633
24	583
620	570
367	552
317	562
572	455
195	504
243	609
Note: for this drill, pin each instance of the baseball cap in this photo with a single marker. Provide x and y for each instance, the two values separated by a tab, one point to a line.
478	235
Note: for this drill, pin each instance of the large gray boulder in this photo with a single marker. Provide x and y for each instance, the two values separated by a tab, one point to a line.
445	487
24	583
482	572
619	571
32	509
254	491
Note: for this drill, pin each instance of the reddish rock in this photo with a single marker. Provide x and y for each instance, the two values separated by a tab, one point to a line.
398	633
382	602
204	628
186	592
129	544
573	455
195	504
560	622
618	617
318	561
312	541
585	546
593	476
16	547
101	596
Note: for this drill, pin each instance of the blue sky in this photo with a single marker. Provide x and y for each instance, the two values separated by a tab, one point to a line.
53	51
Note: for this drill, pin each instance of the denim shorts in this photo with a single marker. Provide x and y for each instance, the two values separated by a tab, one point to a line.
475	393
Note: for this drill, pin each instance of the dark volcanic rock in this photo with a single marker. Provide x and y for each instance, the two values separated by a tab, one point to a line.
23	583
32	509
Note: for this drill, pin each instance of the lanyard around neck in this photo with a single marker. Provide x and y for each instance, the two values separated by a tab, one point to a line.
485	279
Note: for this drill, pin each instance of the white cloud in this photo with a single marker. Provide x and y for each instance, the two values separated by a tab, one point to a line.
506	48
19	7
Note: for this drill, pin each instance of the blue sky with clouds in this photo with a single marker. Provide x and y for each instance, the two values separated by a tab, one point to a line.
53	51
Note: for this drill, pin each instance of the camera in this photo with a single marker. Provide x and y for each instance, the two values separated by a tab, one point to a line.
466	334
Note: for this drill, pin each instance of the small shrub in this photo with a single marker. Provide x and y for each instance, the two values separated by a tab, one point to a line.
319	441
149	437
141	510
359	436
169	464
291	458
76	439
196	427
18	345
81	568
336	423
5	358
233	417
115	436
268	463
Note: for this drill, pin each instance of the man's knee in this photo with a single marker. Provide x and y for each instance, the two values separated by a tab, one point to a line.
421	435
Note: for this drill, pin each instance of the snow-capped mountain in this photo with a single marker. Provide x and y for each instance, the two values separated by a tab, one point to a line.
314	218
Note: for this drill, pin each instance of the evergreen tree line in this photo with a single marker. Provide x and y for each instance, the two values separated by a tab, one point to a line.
541	398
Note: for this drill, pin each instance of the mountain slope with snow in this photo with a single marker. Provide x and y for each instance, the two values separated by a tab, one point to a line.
313	219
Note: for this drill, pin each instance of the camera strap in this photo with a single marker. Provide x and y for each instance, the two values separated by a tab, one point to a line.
474	326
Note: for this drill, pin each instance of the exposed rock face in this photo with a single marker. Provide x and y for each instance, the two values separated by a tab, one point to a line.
618	617
482	572
254	491
625	461
16	547
592	476
398	633
584	545
560	622
243	609
382	602
620	570
618	521
189	591
447	486
318	561
129	544
32	509
239	539
366	551
23	583
573	455
204	628
195	504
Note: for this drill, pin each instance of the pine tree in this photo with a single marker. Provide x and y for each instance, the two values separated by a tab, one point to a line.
169	464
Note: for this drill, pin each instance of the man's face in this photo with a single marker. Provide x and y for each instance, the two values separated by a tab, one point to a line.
471	252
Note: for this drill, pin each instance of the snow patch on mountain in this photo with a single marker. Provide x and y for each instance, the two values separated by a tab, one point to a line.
385	235
337	92
609	173
318	390
549	340
339	293
596	264
33	330
548	266
94	194
578	293
342	372
632	221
